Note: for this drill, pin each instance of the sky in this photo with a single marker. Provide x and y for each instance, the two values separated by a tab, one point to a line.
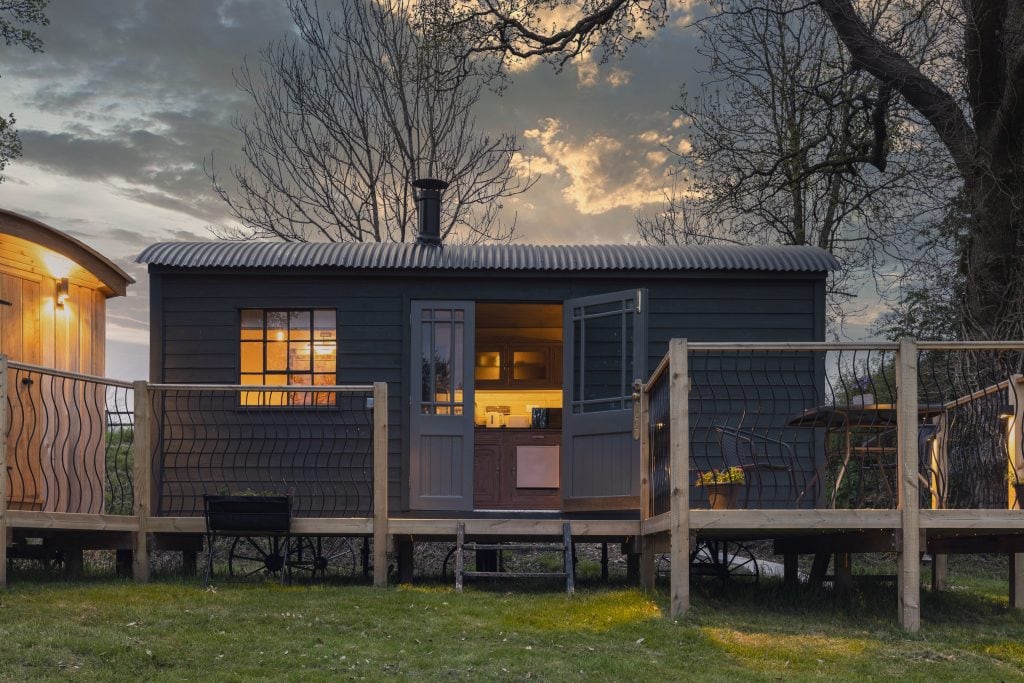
129	98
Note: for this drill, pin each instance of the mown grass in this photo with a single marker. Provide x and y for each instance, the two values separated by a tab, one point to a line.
169	630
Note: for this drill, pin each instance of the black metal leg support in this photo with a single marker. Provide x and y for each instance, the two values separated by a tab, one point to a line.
209	559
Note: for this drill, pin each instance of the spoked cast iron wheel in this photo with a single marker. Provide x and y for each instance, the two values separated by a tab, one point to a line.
724	561
323	557
253	555
315	557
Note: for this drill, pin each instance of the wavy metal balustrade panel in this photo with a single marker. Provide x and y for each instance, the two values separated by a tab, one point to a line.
70	442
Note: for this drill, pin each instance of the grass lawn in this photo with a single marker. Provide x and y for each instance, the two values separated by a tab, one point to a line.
107	629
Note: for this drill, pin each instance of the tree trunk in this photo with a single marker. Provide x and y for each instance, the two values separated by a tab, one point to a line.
993	258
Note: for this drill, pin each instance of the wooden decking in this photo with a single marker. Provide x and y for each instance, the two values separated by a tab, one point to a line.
906	530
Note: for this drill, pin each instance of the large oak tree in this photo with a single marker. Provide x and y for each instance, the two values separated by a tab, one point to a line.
983	135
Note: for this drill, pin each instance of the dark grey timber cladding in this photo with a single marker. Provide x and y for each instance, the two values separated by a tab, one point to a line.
195	314
751	396
200	333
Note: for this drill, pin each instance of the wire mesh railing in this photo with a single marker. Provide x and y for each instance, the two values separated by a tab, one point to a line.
970	443
314	444
659	440
815	425
69	442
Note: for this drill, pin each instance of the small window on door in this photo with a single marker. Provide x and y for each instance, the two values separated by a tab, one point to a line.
288	347
603	355
443	333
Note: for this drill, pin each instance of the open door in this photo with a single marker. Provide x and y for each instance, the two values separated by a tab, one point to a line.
605	350
441	414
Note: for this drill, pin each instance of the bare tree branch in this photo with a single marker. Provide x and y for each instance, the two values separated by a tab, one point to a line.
361	102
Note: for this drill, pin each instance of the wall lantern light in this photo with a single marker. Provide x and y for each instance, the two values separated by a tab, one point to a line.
62	291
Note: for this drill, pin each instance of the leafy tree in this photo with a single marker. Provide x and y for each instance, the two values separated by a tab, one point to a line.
360	102
17	19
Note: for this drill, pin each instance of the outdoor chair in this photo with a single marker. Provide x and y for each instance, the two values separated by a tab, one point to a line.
247	516
767	463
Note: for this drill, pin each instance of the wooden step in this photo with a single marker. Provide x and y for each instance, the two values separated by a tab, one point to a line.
566	550
545	547
515	575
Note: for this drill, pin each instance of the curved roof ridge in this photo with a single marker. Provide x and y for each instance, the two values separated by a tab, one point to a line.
32	230
561	257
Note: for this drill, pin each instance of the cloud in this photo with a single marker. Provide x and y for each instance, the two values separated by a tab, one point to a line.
601	172
589	72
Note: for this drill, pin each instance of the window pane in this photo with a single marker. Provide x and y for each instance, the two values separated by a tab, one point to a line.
252	324
277	356
577	360
426	359
252	357
300	398
275	398
457	361
488	365
252	318
602	358
277	325
529	365
298	357
252	398
607	307
627	353
326	397
298	325
324	356
325	325
442	362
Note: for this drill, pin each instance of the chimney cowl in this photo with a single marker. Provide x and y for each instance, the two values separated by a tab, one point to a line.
428	208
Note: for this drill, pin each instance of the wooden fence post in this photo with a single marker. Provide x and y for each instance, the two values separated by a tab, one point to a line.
679	466
647	564
380	484
4	421
1015	450
909	573
142	477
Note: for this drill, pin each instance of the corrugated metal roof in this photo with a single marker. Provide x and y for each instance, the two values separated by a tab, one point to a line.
508	257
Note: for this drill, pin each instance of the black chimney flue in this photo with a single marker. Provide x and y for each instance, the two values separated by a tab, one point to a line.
428	206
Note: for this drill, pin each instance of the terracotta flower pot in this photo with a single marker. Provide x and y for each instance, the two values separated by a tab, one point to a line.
723	496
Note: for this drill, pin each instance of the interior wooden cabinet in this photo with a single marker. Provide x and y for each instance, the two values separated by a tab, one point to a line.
518	346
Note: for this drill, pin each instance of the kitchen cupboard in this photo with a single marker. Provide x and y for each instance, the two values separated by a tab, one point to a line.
518	365
516	469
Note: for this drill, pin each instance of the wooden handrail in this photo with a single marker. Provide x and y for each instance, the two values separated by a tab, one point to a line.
69	375
276	388
658	372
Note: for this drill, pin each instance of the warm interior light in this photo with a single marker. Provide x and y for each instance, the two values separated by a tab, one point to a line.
60	267
62	291
1006	411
